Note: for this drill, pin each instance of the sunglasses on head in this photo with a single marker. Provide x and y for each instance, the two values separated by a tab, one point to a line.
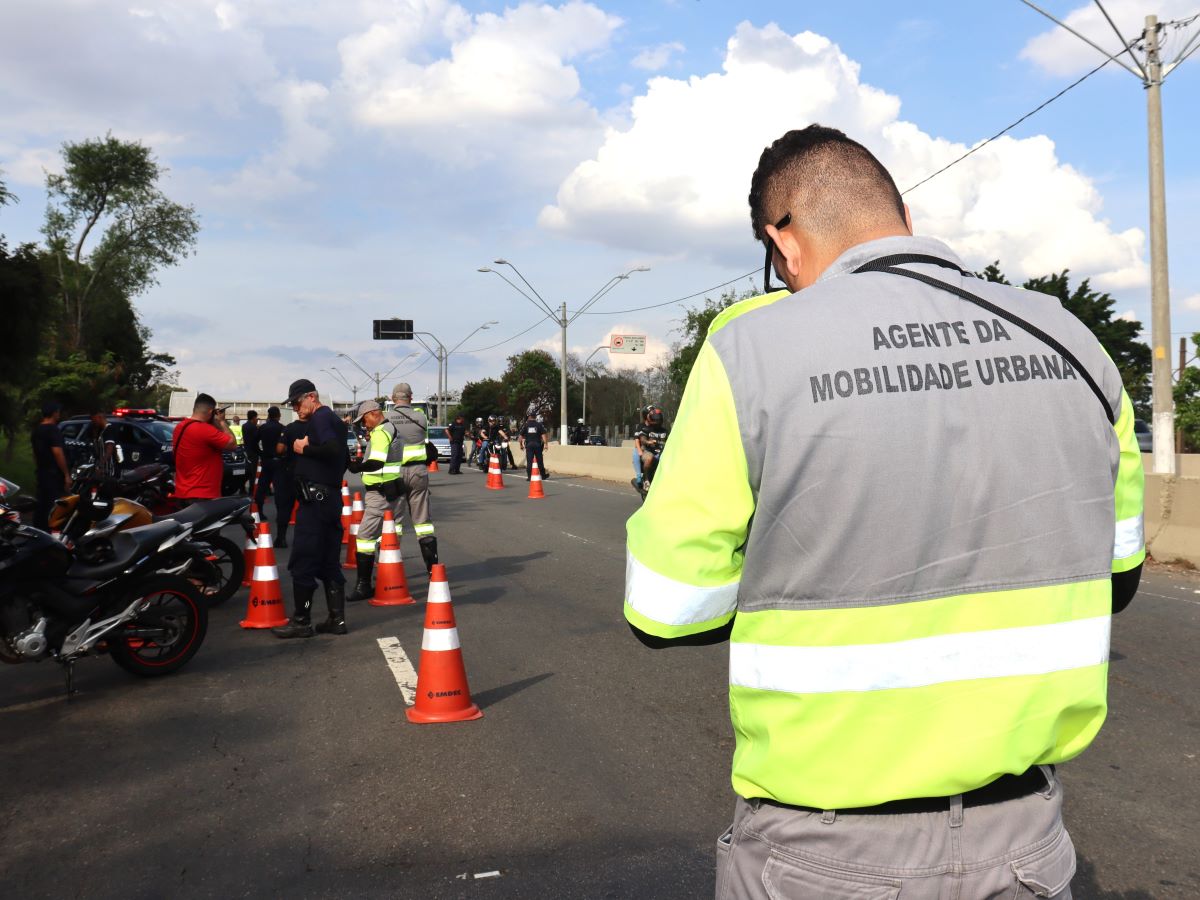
779	226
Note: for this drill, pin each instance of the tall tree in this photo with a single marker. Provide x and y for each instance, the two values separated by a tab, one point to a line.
481	399
1095	310
695	329
1187	403
107	220
6	196
531	384
27	306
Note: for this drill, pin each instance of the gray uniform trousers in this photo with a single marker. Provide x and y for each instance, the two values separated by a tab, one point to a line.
1014	849
414	494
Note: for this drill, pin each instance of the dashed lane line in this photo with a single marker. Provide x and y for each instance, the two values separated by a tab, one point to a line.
1142	593
402	669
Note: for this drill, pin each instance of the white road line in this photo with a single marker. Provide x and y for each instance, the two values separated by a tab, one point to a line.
402	670
1141	593
588	487
577	537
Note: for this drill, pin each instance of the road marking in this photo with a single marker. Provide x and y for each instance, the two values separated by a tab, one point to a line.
1167	597
577	537
402	670
588	487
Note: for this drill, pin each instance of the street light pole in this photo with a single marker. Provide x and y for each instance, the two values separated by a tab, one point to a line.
560	316
585	362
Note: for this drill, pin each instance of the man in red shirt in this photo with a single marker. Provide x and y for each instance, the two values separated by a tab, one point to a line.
198	441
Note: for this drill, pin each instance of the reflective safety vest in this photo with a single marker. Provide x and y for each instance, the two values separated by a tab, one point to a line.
383	447
410	427
911	509
237	433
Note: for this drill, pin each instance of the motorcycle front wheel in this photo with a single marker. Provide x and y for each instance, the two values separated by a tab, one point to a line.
166	633
218	579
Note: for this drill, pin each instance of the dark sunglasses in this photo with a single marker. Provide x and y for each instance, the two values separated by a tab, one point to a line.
779	226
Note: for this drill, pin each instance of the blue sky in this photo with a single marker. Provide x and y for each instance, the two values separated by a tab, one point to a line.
355	160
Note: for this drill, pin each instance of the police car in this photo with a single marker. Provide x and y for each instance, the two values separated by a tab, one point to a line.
143	436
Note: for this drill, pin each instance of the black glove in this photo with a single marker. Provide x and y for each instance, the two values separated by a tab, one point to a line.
355	466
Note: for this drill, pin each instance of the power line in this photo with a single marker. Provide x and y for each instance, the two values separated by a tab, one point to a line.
1012	126
619	312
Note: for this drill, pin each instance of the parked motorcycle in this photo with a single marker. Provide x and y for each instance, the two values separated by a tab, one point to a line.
57	604
218	564
150	485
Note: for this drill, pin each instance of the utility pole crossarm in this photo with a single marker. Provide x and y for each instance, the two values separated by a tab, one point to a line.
1124	43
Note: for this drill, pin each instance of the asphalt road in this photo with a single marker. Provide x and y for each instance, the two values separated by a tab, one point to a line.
600	768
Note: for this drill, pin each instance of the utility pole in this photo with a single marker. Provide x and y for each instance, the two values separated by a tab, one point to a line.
1151	72
562	403
1160	302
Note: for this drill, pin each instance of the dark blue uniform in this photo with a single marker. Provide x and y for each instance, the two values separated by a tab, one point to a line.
270	433
532	433
318	541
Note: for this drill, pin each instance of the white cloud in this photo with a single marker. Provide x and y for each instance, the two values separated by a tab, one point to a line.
1058	52
506	79
672	180
1192	302
654	58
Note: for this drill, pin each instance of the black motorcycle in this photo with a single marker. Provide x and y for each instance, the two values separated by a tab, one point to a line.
111	594
218	564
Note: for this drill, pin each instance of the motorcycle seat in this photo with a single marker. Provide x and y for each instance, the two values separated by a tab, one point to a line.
207	511
142	473
127	546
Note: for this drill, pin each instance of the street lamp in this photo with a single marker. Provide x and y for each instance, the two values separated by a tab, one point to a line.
563	320
377	378
585	362
341	379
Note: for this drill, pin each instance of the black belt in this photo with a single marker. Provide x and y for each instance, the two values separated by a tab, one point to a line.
1006	787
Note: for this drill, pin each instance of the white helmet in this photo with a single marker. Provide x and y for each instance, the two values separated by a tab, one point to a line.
581	421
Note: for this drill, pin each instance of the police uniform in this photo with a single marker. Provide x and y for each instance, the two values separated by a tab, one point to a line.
916	589
270	435
456	431
249	441
317	542
533	435
411	427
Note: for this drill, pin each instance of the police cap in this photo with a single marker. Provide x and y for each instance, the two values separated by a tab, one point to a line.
298	389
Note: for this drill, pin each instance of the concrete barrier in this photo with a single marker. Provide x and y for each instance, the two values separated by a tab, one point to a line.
1173	519
605	463
1186	464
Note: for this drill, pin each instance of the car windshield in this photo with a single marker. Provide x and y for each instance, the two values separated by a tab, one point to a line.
437	432
162	431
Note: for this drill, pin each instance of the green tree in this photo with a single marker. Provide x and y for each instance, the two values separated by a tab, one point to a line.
695	329
481	399
27	313
6	196
531	385
1187	404
1095	310
106	220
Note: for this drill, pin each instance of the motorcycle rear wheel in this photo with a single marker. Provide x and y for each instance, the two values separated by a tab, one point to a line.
229	568
166	633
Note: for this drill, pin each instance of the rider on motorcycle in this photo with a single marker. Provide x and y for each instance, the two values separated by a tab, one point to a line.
648	442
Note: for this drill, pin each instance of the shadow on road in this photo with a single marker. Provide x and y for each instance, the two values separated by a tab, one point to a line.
1084	886
494	695
497	565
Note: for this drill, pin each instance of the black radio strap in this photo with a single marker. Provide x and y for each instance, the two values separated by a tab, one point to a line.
889	265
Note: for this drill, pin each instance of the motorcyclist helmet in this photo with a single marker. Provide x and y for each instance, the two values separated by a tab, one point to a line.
654	415
580	421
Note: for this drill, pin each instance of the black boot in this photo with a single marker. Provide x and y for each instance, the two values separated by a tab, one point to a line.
429	553
300	625
362	587
281	542
335	599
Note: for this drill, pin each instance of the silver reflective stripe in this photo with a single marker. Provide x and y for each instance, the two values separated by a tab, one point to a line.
1031	650
388	470
1129	537
440	639
669	602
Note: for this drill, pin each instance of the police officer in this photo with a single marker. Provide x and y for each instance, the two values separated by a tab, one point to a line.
249	442
457	433
267	439
411	428
283	480
381	474
917	614
533	435
320	462
581	433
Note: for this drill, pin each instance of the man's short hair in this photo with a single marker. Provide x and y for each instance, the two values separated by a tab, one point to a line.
273	412
204	403
253	414
831	186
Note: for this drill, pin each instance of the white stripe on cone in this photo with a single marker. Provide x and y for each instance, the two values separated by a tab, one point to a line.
390	556
440	639
439	592
266	573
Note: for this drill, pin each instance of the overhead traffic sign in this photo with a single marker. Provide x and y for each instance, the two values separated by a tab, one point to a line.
627	343
392	330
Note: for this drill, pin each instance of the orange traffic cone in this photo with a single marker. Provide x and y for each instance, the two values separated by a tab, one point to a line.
535	483
295	506
442	691
356	514
265	606
433	466
495	480
251	555
391	587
